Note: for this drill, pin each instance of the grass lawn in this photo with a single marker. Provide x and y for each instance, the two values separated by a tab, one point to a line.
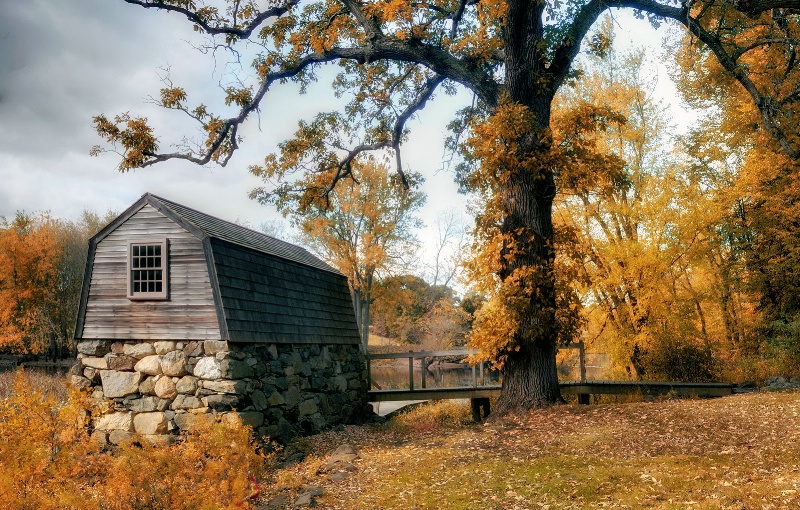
738	452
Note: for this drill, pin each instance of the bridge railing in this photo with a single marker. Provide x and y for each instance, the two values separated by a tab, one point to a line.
478	371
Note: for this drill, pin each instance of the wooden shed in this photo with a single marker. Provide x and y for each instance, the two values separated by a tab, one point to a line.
184	315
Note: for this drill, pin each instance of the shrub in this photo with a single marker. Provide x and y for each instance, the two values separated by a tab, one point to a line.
671	359
48	461
433	416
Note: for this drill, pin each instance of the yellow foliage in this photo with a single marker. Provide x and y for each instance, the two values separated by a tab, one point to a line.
28	256
54	464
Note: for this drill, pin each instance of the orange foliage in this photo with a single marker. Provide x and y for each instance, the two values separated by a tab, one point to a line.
54	464
28	256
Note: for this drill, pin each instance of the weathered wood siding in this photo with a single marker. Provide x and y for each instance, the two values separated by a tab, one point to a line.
189	314
273	300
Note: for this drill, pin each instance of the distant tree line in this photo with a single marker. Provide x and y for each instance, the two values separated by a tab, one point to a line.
42	260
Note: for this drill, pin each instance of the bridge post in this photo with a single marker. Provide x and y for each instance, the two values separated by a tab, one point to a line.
411	372
476	404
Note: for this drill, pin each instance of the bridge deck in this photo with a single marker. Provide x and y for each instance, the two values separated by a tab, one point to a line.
648	388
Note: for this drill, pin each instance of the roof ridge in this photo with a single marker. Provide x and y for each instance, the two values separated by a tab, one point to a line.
279	244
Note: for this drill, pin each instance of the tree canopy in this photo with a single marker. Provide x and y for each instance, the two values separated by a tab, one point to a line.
513	56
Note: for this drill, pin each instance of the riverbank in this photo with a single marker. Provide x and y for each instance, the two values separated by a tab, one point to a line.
735	452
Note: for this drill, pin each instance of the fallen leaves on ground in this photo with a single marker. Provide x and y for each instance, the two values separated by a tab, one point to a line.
736	452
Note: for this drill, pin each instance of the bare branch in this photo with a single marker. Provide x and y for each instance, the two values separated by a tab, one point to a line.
241	33
765	104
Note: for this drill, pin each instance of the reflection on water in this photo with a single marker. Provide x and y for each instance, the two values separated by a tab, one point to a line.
393	376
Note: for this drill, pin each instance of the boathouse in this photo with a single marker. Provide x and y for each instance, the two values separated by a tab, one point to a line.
185	318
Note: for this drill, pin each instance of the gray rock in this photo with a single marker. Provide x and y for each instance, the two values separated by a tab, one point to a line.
148	386
221	402
340	383
118	348
226	386
119	384
342	458
93	347
139	350
306	498
158	439
115	421
174	364
248	419
150	365
164	347
208	368
235	369
279	501
276	399
212	347
193	349
186	402
187	384
259	400
120	436
143	405
188	421
292	397
307	408
150	423
97	363
339	476
165	388
80	382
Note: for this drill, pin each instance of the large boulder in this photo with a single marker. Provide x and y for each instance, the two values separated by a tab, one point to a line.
173	364
208	368
150	423
119	384
150	365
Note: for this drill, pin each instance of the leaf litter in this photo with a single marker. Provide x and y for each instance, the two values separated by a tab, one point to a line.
738	452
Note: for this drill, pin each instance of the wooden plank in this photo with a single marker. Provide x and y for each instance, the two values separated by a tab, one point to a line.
189	312
422	354
683	389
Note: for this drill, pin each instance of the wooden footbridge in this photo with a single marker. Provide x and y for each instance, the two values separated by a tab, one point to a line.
479	390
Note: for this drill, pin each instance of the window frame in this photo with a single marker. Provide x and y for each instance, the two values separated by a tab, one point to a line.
149	296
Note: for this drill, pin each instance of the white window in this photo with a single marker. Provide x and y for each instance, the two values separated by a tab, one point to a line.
147	270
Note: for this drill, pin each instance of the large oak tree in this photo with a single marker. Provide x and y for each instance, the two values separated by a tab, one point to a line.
513	56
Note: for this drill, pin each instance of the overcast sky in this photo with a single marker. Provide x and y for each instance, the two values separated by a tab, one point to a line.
64	61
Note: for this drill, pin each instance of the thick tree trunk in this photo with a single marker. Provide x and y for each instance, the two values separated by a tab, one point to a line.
530	375
530	380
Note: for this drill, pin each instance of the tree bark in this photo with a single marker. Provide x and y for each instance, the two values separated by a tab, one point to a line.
530	374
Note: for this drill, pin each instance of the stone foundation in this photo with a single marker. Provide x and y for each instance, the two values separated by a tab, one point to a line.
157	389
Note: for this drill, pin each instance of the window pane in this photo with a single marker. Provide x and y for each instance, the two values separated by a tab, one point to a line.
159	286
156	261
136	287
149	250
135	262
157	249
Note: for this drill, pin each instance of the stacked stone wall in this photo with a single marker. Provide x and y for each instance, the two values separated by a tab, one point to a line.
155	390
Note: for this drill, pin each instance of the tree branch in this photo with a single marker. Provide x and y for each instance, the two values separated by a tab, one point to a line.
241	33
764	103
571	44
445	65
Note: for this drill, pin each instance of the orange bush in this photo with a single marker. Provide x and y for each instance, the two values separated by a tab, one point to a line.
48	461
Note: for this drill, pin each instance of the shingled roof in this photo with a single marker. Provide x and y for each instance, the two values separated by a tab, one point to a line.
265	290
